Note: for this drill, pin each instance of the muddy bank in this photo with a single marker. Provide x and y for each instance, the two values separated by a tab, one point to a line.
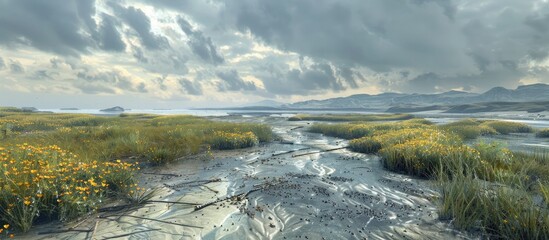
274	191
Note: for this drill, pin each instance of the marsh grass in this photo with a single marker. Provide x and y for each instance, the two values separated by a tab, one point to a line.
498	211
506	127
350	117
469	129
61	166
485	187
365	129
544	133
223	140
150	138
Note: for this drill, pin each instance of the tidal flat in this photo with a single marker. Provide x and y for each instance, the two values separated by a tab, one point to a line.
298	184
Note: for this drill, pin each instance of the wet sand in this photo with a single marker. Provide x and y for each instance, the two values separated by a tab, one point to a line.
281	191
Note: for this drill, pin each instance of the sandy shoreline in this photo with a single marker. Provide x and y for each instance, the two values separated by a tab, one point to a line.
330	195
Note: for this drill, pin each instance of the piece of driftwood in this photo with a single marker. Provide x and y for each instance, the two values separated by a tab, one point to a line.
191	182
291	151
171	202
296	128
327	150
152	219
94	229
211	189
238	196
115	208
132	233
82	221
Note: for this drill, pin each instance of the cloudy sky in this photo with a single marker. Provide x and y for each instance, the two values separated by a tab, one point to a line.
207	53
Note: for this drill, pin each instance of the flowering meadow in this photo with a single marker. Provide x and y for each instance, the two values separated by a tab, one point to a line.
62	166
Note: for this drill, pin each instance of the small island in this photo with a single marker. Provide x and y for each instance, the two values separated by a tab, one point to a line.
29	109
113	109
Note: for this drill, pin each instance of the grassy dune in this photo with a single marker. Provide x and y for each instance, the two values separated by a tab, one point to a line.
485	187
350	117
60	166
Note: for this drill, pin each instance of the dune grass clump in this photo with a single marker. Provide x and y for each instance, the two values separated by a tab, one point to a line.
506	127
350	117
359	129
544	133
470	132
469	129
346	131
225	140
424	158
500	212
366	145
47	182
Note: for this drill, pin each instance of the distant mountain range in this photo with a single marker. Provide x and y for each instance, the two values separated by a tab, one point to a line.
265	103
402	102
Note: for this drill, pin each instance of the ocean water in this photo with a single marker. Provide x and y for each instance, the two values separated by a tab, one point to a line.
200	112
148	111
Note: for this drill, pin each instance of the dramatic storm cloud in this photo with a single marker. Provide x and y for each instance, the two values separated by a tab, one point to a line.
200	45
178	53
231	81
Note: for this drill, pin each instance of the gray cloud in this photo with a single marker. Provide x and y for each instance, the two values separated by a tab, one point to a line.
317	78
160	81
350	76
233	82
44	75
407	46
505	74
90	88
108	80
164	62
382	35
139	55
141	88
16	67
205	12
540	30
141	23
200	45
424	83
110	38
190	87
425	36
53	25
56	63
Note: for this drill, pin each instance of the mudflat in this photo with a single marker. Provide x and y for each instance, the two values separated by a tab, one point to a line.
304	186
